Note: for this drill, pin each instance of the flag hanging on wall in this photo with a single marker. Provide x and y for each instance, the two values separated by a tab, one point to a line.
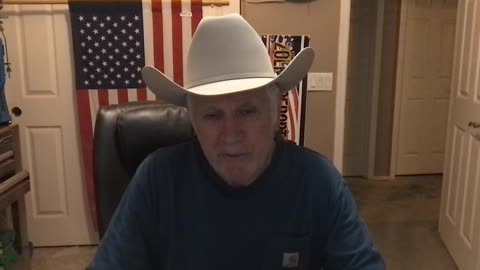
112	43
282	49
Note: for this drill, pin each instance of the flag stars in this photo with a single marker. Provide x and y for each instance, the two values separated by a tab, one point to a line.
109	51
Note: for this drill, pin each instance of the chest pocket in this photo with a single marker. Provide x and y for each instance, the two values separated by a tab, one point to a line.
287	253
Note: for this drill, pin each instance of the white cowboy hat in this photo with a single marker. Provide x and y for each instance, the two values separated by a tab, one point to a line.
226	55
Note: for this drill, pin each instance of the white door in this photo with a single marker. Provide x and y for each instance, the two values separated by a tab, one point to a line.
460	208
359	87
429	29
42	86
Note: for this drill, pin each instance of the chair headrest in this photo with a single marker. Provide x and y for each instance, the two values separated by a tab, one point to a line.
142	130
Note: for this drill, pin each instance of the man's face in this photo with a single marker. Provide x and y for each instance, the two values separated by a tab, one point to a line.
236	133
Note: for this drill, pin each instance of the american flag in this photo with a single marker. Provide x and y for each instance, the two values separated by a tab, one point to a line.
282	49
112	42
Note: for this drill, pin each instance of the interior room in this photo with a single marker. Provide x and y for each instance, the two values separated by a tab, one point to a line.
391	101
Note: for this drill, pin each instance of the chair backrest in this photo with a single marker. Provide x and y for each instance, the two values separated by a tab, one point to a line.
124	136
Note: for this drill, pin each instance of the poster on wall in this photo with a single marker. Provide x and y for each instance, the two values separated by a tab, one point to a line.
282	49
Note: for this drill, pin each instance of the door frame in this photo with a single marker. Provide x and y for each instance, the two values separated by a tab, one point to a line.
398	88
372	134
340	101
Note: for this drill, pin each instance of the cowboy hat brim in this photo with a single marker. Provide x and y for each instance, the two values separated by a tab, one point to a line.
175	94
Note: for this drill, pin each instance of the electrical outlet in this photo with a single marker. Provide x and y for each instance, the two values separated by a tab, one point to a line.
320	81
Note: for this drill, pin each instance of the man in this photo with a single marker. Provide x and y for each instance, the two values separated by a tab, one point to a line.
235	197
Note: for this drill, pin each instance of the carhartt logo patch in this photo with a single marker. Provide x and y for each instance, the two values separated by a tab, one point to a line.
290	260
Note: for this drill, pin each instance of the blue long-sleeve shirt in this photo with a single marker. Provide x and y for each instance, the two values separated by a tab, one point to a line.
177	214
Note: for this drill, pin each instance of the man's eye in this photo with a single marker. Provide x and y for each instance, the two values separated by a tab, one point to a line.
248	112
211	116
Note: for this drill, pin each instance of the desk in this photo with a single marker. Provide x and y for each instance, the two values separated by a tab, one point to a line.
12	195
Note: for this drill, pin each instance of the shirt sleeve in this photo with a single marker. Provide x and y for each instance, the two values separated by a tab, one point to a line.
124	245
349	246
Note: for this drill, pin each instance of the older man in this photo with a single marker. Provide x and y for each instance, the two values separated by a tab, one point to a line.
235	197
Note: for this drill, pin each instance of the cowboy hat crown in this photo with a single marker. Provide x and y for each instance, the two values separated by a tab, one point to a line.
226	56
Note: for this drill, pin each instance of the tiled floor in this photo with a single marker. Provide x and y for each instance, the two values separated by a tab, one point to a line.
62	258
402	216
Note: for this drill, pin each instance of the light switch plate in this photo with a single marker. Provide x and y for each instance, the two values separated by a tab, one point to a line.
319	81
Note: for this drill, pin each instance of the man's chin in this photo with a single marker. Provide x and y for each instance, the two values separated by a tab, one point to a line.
237	180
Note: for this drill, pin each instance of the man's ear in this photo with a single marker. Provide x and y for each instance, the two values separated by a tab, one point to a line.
278	135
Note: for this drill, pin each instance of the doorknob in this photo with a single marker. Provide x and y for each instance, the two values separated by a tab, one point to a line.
16	111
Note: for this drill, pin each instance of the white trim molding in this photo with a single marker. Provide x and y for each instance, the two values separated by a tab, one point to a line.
342	68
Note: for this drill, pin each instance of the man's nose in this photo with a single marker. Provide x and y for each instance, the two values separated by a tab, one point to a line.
232	130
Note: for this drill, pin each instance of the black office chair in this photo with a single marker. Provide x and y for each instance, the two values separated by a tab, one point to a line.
124	135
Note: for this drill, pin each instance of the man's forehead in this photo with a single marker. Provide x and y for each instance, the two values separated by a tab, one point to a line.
236	98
